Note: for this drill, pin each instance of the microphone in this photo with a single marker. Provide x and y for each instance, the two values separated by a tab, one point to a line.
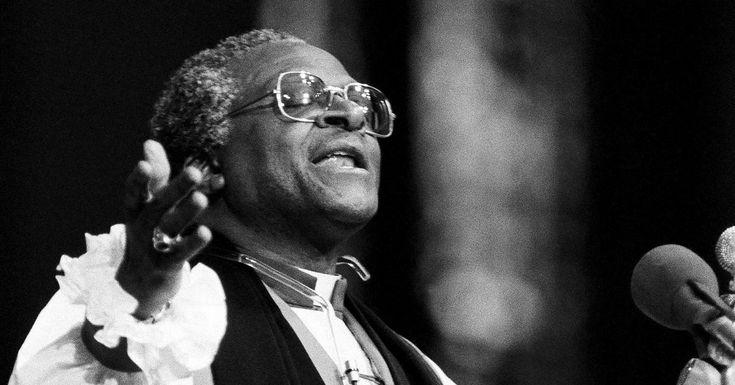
725	252
676	288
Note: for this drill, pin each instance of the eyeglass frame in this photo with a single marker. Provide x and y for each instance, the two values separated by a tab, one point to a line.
247	107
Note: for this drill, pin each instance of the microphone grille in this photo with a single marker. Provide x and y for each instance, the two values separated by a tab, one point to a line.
725	250
729	299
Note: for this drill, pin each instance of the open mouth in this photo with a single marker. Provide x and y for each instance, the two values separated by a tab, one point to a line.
347	158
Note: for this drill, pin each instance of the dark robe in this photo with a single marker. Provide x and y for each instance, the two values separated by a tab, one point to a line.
260	347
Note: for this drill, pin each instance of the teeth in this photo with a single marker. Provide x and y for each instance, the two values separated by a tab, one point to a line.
339	159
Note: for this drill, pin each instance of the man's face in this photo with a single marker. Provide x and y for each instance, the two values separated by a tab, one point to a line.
297	176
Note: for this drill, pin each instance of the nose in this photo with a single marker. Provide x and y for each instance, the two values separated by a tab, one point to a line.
344	114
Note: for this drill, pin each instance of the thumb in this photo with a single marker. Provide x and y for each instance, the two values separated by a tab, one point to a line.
154	153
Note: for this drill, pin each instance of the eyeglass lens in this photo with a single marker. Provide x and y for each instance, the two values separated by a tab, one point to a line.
301	92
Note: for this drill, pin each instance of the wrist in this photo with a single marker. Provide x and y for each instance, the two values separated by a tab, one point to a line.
153	291
178	339
150	317
114	358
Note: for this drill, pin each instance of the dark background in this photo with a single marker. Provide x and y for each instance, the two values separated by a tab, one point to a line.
662	91
79	80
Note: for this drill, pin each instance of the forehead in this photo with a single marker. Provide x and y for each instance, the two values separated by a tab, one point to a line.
258	70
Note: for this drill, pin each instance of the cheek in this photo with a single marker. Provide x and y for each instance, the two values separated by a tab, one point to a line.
239	178
240	164
375	158
254	148
282	166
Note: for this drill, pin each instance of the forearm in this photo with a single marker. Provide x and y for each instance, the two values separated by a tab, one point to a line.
87	331
53	352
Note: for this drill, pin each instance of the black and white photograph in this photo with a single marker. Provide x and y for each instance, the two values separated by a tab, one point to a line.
469	192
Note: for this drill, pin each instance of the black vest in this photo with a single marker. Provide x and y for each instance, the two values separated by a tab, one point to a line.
260	347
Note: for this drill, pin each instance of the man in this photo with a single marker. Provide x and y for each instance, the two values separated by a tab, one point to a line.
266	158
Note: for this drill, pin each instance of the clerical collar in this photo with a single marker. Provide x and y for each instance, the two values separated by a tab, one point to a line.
296	286
324	284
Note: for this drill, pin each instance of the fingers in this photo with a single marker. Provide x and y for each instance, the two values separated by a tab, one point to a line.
150	181
175	221
216	183
722	328
149	176
195	242
178	188
136	186
155	155
189	246
698	372
153	201
728	376
720	346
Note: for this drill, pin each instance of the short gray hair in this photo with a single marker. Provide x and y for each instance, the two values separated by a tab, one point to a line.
190	117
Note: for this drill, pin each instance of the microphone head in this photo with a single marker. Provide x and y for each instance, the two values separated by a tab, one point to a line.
729	299
659	285
725	250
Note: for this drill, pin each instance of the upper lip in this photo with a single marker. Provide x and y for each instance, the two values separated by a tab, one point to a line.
341	148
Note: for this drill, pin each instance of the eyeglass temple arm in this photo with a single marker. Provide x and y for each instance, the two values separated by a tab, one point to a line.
247	106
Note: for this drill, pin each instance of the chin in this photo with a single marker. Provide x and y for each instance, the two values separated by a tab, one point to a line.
357	211
339	221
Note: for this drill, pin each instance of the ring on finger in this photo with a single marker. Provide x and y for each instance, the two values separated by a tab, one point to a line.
162	242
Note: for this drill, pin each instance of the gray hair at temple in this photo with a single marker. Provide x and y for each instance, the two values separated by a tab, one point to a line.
190	117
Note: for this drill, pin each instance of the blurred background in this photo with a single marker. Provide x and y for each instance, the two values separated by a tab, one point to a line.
541	148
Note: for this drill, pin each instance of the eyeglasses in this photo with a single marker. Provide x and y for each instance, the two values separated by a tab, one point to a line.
301	96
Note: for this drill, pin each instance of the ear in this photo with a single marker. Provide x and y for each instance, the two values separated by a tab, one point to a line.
213	179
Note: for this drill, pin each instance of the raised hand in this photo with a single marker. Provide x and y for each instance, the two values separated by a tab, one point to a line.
152	201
